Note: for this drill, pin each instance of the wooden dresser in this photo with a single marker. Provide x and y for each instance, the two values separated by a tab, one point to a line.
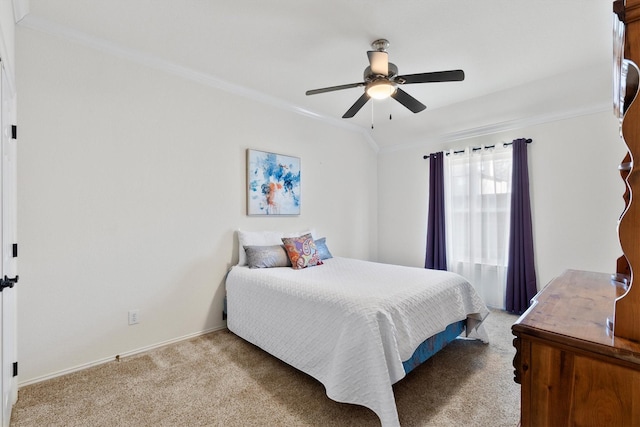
572	370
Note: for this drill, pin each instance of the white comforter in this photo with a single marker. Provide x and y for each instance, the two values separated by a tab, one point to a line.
348	323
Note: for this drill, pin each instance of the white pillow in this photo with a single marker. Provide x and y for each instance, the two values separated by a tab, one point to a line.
263	238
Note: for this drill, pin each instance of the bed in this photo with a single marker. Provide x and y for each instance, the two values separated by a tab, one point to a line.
356	326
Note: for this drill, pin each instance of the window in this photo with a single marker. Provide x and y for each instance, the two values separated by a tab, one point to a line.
477	200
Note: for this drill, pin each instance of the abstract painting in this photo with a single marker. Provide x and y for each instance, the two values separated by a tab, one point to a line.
273	184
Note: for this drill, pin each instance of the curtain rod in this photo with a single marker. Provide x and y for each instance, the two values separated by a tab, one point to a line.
505	144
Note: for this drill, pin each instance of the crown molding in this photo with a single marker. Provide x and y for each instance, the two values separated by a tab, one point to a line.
48	27
501	127
20	9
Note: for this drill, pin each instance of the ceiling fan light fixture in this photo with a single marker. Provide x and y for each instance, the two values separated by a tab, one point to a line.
380	89
381	81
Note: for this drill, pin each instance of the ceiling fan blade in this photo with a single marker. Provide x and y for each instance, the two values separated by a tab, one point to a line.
356	106
379	61
332	88
433	77
408	101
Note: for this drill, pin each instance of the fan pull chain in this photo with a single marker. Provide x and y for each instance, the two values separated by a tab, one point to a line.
372	114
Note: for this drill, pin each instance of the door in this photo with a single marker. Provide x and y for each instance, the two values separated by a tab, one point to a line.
8	252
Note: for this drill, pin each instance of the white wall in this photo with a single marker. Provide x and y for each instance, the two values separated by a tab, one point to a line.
131	184
576	193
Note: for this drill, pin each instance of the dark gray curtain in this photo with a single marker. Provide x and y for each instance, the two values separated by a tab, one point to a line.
521	275
436	244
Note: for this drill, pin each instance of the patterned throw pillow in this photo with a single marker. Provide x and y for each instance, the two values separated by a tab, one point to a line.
302	251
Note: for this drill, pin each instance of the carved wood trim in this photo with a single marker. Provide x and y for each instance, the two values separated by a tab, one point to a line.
517	377
626	323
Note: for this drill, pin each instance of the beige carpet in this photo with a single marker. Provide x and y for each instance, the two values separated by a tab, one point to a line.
220	380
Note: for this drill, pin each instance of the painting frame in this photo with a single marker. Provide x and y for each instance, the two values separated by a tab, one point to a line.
273	184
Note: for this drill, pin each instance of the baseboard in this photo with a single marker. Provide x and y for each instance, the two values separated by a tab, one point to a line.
112	358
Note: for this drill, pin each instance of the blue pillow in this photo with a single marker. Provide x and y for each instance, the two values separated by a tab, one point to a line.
321	247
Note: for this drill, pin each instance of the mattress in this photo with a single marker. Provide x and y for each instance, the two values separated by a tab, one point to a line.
350	323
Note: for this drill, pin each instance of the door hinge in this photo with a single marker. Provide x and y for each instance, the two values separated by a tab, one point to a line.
15	369
14	132
7	282
14	250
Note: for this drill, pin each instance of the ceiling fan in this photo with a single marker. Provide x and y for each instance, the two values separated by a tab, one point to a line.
381	80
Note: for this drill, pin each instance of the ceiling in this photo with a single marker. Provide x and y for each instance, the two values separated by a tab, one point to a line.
525	61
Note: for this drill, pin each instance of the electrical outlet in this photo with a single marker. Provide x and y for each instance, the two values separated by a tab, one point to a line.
134	317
